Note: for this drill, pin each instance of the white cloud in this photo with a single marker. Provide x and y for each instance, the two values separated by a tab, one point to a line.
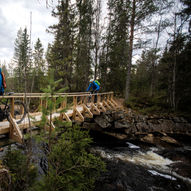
15	14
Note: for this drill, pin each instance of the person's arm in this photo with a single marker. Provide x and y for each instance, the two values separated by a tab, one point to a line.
88	89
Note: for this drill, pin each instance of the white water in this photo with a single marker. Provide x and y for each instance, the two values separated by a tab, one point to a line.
163	175
157	165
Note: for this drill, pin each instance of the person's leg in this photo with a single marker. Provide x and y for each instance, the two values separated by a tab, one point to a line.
95	98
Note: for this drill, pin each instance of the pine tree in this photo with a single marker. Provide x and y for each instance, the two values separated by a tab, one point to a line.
139	11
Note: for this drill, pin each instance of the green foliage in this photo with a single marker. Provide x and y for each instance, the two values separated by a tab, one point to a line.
52	100
38	70
60	54
113	64
71	166
146	105
84	44
22	58
23	172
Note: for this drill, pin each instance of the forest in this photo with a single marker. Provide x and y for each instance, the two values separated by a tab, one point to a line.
141	50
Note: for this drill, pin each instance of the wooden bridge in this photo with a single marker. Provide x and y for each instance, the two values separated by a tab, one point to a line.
78	106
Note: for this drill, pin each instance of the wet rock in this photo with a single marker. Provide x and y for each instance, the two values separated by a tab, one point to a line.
92	126
119	136
135	124
148	138
121	124
182	156
102	121
169	140
118	115
142	127
179	120
131	130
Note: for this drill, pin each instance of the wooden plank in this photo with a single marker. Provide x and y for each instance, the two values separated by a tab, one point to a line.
105	104
112	100
79	115
111	104
12	107
101	107
15	132
86	109
94	109
65	116
35	114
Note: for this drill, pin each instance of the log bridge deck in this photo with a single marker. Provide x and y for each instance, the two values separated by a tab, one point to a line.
78	106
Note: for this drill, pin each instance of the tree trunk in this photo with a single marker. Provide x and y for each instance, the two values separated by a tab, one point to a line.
154	61
97	44
128	77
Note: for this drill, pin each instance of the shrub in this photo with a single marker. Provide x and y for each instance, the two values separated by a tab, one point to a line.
71	166
23	172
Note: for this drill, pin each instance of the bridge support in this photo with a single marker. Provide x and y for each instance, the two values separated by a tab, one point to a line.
15	132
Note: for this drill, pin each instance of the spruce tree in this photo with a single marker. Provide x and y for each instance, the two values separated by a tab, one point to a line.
39	66
22	59
61	52
83	70
117	46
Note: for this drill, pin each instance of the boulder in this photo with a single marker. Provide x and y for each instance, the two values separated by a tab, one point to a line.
92	126
102	121
169	140
122	124
118	115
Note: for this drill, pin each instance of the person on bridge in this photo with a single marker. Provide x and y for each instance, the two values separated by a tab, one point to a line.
94	86
2	83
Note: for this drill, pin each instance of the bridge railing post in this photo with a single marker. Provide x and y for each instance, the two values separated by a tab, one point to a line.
98	98
64	103
41	104
75	101
12	107
112	95
74	107
23	100
92	99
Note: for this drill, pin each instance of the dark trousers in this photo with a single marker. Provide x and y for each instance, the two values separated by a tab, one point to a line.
95	97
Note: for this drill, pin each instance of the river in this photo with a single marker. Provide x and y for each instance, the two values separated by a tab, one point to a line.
136	166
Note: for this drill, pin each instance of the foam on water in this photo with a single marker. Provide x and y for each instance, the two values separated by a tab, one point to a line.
149	159
160	174
132	146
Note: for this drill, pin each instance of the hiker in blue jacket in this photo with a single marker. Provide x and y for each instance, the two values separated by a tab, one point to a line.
94	87
1	84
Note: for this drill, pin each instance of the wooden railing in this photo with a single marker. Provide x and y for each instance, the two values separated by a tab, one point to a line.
79	105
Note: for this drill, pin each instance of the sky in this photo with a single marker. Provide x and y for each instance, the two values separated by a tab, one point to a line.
15	14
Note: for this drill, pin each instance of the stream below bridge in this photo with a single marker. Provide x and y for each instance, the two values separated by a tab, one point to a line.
136	166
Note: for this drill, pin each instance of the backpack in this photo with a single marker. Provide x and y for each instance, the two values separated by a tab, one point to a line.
97	82
3	80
